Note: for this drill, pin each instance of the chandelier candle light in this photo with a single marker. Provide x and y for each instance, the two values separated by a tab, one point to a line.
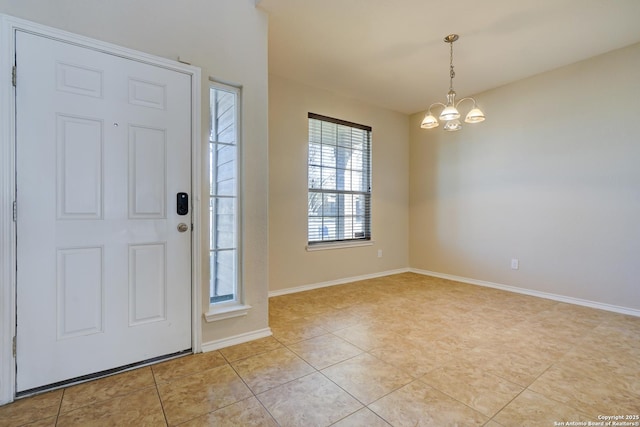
450	112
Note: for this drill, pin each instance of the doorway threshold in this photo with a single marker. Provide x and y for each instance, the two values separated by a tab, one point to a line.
101	374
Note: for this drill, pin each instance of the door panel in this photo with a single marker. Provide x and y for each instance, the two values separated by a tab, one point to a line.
103	274
79	278
147	172
147	283
79	167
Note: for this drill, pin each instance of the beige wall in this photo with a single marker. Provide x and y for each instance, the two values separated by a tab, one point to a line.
228	41
552	177
290	265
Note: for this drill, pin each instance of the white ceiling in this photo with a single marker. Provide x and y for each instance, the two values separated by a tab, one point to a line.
390	53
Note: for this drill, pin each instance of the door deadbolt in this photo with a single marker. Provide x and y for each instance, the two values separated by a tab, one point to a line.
182	227
182	203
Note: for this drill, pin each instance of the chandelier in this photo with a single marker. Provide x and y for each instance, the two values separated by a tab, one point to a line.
450	113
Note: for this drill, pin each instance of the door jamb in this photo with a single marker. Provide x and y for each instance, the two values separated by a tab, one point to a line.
8	27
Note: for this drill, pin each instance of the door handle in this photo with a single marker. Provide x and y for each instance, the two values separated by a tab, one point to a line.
182	227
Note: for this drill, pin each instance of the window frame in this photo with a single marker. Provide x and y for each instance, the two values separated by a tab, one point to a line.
366	240
236	306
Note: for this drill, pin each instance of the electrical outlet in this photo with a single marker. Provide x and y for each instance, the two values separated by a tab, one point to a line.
379	253
515	264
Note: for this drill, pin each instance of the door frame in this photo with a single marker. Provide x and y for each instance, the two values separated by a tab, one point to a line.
8	257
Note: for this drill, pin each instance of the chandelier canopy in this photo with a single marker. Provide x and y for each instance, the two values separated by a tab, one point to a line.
450	113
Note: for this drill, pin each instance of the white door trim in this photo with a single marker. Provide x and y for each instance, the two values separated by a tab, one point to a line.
8	26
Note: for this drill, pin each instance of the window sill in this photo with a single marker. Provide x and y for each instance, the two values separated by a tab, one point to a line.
229	312
338	245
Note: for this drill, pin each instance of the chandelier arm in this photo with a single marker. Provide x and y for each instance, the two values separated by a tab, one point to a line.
434	104
464	99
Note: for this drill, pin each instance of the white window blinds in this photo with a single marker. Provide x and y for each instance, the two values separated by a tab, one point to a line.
339	180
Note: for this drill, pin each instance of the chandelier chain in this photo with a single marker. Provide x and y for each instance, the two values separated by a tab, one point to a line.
452	73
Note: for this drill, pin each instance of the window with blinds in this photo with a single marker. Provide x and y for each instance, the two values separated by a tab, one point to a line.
339	181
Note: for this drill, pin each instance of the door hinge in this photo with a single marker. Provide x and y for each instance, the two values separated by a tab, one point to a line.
14	75
15	211
14	347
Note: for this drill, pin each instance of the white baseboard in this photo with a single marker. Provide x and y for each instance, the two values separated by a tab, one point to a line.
531	292
335	282
236	339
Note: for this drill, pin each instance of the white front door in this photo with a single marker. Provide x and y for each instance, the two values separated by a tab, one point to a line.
102	151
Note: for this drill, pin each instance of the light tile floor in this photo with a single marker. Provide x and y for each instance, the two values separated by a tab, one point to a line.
402	350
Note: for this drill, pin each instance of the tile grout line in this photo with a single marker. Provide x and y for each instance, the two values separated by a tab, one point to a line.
454	398
319	371
155	383
381	397
552	397
507	404
60	405
253	394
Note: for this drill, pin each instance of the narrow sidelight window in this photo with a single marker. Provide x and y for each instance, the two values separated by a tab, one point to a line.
224	203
